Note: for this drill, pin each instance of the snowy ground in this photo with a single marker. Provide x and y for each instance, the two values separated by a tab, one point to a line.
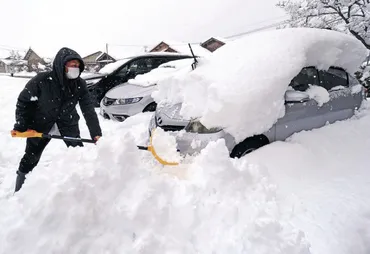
307	195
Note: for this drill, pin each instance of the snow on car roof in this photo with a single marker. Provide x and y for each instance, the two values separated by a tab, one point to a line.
162	72
109	68
241	86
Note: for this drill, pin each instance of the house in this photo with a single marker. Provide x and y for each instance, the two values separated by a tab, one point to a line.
2	67
34	61
11	65
213	43
97	60
179	47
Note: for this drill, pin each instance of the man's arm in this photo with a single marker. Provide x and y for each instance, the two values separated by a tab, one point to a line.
88	111
26	104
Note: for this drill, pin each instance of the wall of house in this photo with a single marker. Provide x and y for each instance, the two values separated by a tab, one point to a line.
163	47
92	58
2	67
34	60
214	45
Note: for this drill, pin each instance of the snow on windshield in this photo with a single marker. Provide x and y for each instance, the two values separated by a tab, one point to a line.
109	68
162	72
241	86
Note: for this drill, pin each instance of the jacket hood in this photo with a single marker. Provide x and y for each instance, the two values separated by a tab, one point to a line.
63	56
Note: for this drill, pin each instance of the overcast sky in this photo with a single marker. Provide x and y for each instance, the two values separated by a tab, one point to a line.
86	25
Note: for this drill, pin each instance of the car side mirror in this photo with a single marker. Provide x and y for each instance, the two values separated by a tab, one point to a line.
296	96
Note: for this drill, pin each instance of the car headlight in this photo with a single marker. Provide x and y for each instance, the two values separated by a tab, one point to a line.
127	101
196	127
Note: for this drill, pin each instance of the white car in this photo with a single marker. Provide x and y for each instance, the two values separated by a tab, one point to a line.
134	97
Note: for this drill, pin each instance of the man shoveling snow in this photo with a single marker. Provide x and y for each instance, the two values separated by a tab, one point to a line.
49	100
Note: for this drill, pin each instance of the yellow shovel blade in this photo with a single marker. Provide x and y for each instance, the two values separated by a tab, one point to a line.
156	156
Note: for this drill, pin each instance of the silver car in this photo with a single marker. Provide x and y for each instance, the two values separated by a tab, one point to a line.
302	113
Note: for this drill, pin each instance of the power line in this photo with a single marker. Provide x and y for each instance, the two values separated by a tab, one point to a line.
256	30
5	47
227	37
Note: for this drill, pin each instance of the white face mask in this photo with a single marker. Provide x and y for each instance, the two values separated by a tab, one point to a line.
73	72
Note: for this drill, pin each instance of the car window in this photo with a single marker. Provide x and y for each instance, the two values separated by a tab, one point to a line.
158	61
122	72
141	66
333	77
307	76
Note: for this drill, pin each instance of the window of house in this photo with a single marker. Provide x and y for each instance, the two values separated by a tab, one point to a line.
308	76
334	77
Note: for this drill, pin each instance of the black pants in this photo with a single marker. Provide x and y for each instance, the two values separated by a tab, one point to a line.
33	152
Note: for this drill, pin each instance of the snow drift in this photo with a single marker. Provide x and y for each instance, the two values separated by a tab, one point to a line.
241	86
109	201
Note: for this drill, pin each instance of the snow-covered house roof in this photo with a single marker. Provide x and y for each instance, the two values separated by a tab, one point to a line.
180	47
13	62
98	57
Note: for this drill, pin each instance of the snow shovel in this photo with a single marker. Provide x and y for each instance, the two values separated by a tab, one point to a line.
155	155
35	134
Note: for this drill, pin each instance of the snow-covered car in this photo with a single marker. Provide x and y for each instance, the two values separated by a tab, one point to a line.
279	83
134	96
121	71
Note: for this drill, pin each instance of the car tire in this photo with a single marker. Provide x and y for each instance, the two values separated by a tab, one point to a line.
151	107
249	145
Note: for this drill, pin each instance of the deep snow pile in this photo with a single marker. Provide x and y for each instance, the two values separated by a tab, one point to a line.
307	195
243	83
111	201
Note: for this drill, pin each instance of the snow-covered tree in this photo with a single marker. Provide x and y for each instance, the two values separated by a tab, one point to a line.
15	55
351	16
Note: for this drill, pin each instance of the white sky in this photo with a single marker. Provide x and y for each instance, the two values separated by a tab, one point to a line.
86	25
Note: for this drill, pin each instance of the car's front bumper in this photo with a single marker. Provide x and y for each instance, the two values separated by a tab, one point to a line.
120	112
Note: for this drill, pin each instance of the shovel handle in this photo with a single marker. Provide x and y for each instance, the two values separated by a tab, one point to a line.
26	134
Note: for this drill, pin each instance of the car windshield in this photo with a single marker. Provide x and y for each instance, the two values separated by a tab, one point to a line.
109	68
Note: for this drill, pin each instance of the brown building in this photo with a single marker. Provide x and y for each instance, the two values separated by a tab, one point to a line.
97	60
179	47
33	60
213	43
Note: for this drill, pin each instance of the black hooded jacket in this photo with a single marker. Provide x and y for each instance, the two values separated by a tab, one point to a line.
50	97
